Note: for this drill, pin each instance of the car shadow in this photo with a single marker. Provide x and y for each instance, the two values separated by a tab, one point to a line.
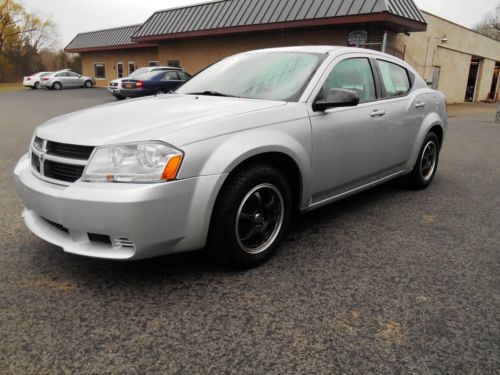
192	266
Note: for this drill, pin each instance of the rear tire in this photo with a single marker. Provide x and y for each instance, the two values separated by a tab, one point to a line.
251	214
427	162
56	86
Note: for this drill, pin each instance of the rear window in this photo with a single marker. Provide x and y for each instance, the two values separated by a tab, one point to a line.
395	79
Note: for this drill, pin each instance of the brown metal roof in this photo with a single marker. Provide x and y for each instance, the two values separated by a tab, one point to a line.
233	14
119	37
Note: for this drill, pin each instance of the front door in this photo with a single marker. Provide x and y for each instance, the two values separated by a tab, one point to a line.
348	143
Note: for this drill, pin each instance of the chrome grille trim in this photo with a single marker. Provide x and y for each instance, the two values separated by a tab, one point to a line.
64	169
123	243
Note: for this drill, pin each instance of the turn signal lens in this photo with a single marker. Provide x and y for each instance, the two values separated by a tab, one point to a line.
171	169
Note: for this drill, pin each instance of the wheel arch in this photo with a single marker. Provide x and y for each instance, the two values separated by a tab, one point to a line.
283	163
432	122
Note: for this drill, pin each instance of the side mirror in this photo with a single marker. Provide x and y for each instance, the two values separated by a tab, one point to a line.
337	98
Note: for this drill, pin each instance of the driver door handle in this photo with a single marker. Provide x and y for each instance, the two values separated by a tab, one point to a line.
420	105
377	113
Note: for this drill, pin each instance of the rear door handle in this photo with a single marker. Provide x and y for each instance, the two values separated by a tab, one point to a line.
420	105
377	113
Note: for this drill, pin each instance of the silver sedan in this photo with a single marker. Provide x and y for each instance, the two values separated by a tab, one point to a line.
64	79
225	161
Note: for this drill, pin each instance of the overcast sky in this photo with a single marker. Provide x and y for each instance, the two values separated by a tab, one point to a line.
74	16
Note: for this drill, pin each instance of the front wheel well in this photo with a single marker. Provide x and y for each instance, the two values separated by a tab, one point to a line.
285	164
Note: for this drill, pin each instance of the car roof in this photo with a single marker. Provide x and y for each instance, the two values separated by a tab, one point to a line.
337	50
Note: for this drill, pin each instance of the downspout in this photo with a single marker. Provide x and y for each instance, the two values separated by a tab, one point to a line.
384	42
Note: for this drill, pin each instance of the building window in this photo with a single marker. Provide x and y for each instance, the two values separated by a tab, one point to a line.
131	67
174	63
99	71
153	63
119	70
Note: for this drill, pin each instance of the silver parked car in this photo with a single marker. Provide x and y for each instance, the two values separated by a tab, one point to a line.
228	158
66	78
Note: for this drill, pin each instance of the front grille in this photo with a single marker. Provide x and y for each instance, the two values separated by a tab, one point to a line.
63	172
57	226
48	159
35	162
69	151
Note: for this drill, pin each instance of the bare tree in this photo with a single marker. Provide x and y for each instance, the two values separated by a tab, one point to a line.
490	24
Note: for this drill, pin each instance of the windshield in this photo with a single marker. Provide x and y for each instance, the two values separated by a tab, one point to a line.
259	75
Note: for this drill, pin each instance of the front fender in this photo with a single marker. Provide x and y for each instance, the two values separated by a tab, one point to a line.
221	155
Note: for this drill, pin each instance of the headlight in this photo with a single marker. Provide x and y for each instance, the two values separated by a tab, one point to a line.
145	162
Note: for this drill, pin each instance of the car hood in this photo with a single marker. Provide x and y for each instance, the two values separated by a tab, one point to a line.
178	119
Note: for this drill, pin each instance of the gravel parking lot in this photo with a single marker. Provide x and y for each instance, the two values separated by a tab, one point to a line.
389	281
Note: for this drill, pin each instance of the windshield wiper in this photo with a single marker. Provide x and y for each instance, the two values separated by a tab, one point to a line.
211	93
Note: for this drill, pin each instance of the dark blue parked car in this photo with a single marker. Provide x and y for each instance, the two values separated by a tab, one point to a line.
151	83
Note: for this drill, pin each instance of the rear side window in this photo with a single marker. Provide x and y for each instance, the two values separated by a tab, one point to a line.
170	76
353	74
395	79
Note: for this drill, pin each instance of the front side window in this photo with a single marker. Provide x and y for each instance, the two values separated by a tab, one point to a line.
394	78
73	74
352	74
184	76
99	71
279	76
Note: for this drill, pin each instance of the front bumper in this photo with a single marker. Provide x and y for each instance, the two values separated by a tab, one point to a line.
157	219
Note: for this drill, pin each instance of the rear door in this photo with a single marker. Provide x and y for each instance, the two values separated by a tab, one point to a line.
403	114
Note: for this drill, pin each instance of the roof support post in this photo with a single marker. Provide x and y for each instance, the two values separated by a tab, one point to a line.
384	42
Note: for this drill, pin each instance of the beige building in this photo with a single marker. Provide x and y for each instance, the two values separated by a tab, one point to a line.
460	62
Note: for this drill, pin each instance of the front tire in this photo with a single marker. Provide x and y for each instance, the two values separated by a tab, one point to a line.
36	86
251	214
427	162
88	84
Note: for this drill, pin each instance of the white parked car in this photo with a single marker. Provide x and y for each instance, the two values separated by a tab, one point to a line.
229	157
115	86
33	81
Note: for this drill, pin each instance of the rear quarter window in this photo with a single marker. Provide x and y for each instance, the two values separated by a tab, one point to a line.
395	79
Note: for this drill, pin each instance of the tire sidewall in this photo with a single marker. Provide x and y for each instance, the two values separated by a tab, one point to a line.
232	252
88	84
37	85
57	86
420	181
